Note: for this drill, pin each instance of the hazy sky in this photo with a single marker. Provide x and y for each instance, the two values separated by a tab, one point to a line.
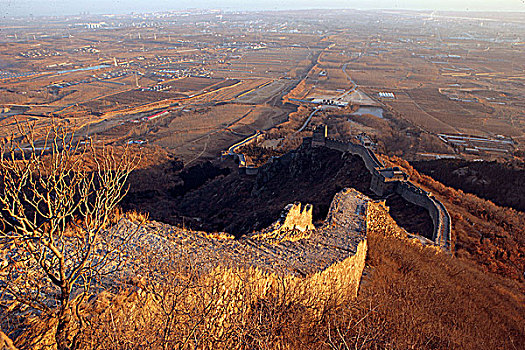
68	7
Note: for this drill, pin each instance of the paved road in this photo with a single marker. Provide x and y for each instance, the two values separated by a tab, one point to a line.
349	78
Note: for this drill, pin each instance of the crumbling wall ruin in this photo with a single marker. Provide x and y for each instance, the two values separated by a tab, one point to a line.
290	252
343	276
293	225
298	217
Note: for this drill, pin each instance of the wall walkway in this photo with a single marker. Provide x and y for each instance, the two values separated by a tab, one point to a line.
440	217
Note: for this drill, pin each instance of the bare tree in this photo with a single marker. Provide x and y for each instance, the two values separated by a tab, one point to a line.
57	196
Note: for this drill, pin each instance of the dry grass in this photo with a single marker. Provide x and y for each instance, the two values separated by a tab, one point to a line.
429	299
491	236
136	216
413	297
176	307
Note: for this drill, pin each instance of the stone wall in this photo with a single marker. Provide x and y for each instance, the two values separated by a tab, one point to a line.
440	217
343	276
443	237
233	152
331	254
413	194
437	211
293	225
298	217
379	220
369	158
347	216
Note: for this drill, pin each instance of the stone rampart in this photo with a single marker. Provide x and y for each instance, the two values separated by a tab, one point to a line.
323	268
244	168
379	220
369	158
410	192
294	224
443	235
438	213
336	144
440	217
298	217
329	256
343	276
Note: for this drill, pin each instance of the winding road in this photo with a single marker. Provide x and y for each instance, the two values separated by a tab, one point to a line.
349	78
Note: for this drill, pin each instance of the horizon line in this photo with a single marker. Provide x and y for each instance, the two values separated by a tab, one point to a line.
229	10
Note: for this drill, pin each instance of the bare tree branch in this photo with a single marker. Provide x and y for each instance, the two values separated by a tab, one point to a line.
56	198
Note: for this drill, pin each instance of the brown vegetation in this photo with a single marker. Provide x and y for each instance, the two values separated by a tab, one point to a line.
412	297
54	210
501	183
490	235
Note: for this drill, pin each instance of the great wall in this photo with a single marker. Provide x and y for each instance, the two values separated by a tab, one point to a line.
385	180
392	180
332	254
329	254
233	151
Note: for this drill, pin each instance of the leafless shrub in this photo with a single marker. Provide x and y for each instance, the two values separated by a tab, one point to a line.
56	200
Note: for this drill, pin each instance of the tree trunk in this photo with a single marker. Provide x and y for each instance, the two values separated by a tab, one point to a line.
63	332
62	335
